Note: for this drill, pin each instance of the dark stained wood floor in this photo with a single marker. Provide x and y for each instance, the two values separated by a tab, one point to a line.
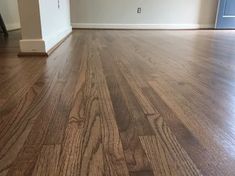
116	102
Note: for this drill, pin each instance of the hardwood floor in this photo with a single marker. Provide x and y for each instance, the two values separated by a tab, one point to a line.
116	102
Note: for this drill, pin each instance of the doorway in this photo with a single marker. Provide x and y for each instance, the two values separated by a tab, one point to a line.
226	15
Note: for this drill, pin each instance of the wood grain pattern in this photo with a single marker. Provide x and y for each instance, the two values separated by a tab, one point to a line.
47	163
113	149
120	102
83	133
129	116
4	173
37	117
185	137
166	154
92	134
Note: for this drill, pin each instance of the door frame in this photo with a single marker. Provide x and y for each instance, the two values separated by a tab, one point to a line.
217	18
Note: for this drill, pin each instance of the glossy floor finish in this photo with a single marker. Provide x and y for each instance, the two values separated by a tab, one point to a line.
116	102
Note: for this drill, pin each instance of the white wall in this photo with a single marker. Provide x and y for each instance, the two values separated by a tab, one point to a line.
155	13
10	13
44	24
55	20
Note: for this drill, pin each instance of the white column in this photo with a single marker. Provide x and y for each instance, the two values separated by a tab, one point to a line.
44	23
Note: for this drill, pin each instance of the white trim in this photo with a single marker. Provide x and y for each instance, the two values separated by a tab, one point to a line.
217	14
13	26
32	46
140	26
43	45
226	16
56	38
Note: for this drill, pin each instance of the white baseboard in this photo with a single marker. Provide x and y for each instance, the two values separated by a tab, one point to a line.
56	38
14	26
140	26
43	45
32	46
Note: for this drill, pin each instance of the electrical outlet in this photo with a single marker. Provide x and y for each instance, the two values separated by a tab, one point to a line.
139	10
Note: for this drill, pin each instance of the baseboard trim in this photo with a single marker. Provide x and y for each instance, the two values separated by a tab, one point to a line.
40	47
58	44
140	26
32	46
54	40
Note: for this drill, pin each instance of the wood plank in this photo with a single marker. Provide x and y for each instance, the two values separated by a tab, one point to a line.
29	74
4	173
82	152
88	147
17	119
47	162
165	153
129	115
113	149
39	115
191	144
197	128
27	157
147	107
141	173
16	124
67	76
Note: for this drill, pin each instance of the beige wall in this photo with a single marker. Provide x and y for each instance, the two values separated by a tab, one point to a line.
158	12
30	19
10	13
